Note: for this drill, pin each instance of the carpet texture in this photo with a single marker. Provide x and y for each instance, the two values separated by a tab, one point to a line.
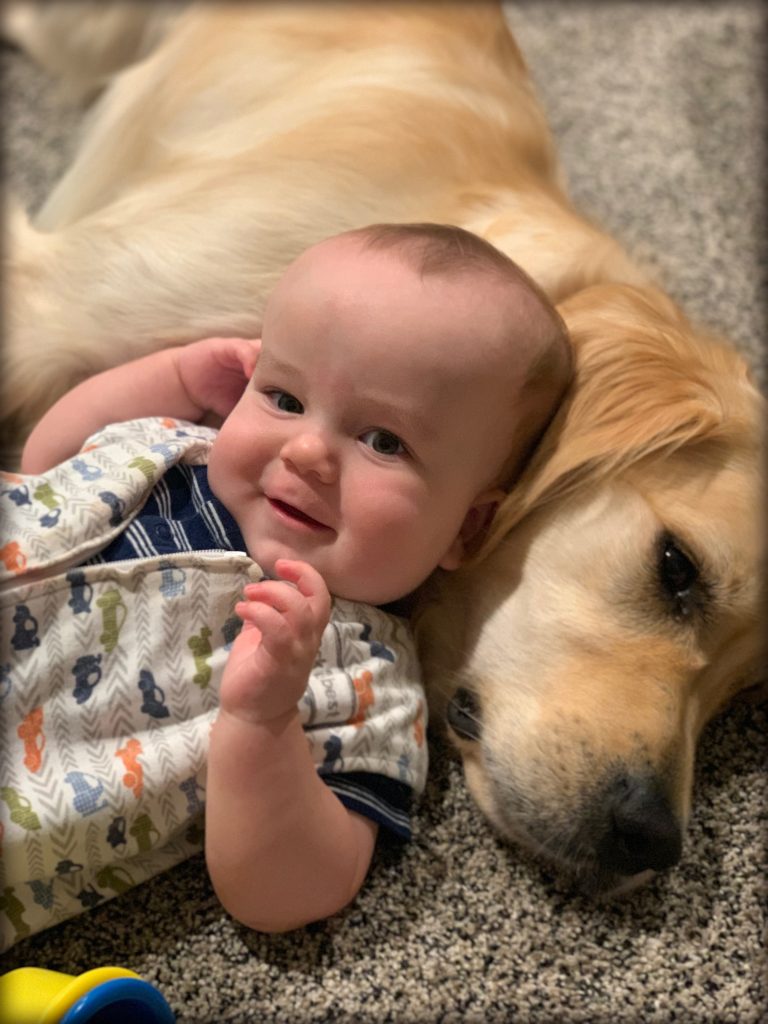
660	113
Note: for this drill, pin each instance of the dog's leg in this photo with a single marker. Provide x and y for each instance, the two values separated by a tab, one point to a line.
151	269
114	142
83	44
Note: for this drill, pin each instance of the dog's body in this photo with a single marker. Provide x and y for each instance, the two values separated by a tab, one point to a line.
616	606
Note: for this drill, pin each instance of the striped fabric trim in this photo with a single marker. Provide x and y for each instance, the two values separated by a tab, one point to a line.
385	801
208	507
181	513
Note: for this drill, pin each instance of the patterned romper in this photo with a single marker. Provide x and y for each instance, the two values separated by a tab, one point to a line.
109	675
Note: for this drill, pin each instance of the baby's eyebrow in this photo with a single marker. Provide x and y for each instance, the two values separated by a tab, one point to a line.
274	364
404	420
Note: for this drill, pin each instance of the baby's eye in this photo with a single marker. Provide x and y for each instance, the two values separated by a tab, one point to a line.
383	442
284	401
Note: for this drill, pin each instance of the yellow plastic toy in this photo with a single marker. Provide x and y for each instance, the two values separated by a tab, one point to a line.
104	995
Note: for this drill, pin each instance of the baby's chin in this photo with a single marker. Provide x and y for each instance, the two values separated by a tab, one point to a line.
397	600
366	590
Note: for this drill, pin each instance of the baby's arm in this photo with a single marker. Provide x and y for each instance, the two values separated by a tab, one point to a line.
186	382
281	848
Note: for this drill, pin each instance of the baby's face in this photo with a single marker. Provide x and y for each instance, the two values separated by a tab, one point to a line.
377	416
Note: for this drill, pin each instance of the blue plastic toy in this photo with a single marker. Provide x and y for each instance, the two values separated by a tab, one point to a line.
104	995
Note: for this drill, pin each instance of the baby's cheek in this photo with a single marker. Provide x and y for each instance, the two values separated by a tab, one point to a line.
225	470
391	557
214	469
384	517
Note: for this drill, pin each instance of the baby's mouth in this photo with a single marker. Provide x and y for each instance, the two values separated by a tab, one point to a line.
296	515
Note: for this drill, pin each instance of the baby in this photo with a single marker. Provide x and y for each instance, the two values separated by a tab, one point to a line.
403	375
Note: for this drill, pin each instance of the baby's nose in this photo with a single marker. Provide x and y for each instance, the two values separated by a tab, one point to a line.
310	452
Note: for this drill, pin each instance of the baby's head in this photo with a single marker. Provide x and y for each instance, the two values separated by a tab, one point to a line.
405	373
516	337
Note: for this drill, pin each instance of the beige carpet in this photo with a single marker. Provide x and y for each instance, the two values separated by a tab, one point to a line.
660	111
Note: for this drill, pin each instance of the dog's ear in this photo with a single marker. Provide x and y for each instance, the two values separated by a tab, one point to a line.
644	382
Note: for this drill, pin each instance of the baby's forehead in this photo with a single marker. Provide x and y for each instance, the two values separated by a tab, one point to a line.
340	250
489	319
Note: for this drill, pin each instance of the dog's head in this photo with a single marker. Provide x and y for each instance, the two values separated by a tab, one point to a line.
615	605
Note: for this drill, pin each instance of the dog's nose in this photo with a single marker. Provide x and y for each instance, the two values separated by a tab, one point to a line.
642	829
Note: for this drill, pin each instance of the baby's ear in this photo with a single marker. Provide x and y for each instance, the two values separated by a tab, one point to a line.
476	523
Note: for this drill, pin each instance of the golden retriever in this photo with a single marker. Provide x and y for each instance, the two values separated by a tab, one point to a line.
614	606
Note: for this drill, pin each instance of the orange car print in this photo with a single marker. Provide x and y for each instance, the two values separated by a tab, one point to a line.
418	726
134	774
31	732
13	557
365	699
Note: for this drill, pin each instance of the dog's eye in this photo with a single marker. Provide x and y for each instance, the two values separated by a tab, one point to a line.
463	714
678	576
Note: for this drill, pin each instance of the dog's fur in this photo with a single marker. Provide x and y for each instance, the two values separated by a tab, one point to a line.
614	607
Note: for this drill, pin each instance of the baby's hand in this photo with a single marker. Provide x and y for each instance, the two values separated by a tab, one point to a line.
215	371
271	659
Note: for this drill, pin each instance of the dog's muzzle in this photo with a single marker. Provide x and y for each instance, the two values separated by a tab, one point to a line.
641	831
624	827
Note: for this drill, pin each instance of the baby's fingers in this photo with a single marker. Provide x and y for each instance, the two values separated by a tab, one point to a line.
283	598
308	582
243	354
276	633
